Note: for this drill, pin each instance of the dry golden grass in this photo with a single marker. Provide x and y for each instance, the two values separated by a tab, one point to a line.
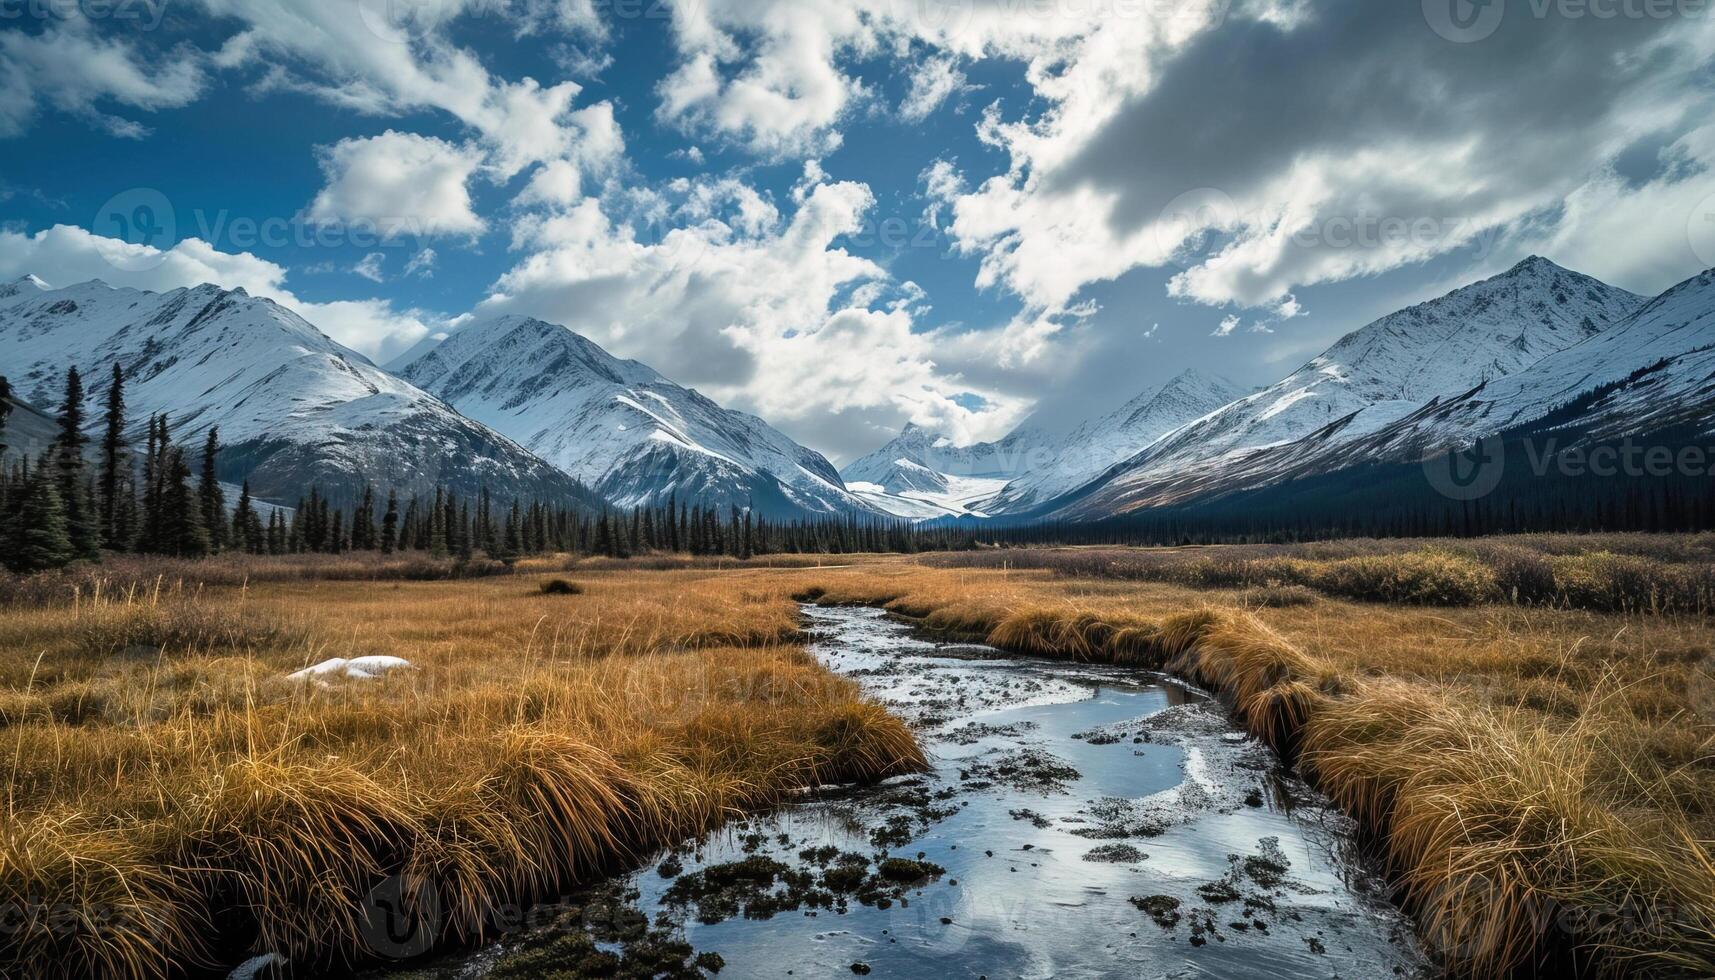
175	802
1542	782
1540	779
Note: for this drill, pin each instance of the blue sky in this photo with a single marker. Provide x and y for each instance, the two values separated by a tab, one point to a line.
849	215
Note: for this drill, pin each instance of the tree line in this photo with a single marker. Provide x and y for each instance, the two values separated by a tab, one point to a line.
60	508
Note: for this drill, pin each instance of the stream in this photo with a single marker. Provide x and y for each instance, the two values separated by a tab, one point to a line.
1077	821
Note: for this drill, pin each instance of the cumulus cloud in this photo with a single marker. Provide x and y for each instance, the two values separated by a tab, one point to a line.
933	82
387	59
64	255
1242	153
398	184
68	67
759	309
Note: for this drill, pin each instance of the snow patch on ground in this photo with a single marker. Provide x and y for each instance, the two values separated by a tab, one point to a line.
356	668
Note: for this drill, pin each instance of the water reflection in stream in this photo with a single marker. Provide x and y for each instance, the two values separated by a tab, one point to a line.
1078	821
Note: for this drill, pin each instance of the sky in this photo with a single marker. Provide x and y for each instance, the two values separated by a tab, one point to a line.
847	215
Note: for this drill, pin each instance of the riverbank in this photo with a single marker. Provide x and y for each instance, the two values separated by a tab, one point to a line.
1538	780
1075	820
330	772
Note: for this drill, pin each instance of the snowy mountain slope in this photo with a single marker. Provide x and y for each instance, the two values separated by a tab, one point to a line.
1096	445
1368	380
920	474
1652	372
631	434
294	407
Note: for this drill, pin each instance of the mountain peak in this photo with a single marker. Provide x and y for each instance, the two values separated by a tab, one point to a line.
1535	266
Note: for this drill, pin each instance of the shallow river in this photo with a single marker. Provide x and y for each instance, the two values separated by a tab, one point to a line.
1078	821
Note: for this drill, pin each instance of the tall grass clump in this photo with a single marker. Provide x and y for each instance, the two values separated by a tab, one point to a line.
183	811
1542	797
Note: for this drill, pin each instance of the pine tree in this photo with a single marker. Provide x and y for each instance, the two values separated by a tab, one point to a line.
68	453
363	521
438	526
514	531
390	523
5	411
38	538
154	535
114	535
246	525
183	533
210	497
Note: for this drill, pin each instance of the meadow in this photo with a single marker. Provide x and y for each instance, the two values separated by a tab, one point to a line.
1522	725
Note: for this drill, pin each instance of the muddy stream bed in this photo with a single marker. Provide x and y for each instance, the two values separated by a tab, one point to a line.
1077	821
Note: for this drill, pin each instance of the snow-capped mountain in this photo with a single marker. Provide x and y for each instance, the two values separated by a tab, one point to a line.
921	474
1652	372
294	407
1368	380
1100	443
631	434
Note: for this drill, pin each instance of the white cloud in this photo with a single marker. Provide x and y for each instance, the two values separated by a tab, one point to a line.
758	309
398	184
369	267
362	61
422	264
933	82
1228	325
1289	168
64	255
68	67
764	73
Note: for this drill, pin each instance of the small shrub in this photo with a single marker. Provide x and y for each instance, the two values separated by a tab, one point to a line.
1278	597
1421	578
180	627
1523	577
559	586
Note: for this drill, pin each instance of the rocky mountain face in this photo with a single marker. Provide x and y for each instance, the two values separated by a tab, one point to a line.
1099	444
618	425
294	407
1369	380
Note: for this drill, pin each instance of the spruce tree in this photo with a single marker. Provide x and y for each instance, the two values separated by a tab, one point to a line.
363	521
38	538
390	523
182	529
438	526
5	411
114	535
68	454
210	498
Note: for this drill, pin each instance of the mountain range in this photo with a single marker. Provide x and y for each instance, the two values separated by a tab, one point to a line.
619	426
531	409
